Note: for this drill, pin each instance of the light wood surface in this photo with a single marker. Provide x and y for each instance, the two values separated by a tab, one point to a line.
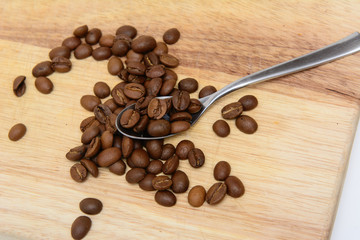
292	167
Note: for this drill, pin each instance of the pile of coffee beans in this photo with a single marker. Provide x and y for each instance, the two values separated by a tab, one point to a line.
244	123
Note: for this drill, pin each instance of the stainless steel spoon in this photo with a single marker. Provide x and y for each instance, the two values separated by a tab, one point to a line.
342	48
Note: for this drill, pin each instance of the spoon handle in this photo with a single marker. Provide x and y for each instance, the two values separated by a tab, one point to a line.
346	46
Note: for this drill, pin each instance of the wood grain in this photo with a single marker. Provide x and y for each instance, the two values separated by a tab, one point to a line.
292	167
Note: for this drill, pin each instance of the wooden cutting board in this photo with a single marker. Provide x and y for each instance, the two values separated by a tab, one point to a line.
292	167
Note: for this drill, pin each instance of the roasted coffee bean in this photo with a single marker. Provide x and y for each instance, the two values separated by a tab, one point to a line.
140	158
165	198
107	40
127	146
118	167
246	124
180	182
196	158
138	144
158	128
181	100
232	110
248	102
17	132
101	90
183	148
112	105
195	106
171	36
167	87
146	183
155	167
143	102
161	182
181	116
120	48
129	118
101	53
83	51
171	165
188	84
60	51
80	227
76	153
93	36
179	126
235	188
206	91
108	156
155	71
89	134
42	69
130	163
134	90
154	86
102	113
44	85
117	141
135	175
71	42
61	64
81	31
157	108
78	172
91	206
142	124
115	65
216	193
222	170
90	166
168	150
136	68
161	48
19	86
93	148
151	59
87	122
169	74
106	139
136	79
127	30
118	94
169	60
196	196
143	44
221	128
89	102
102	127
134	56
154	148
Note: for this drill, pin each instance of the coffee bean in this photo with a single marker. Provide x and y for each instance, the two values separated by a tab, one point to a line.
169	60
196	158
89	134
183	148
71	42
135	175
206	91
80	227
136	79
136	68
155	71
78	172
161	182
91	206
235	188
117	141
181	100
19	86
195	106
169	74
167	87
154	148
87	122
107	40
161	48
81	31
60	51
146	183
181	116
120	48
171	36
165	198
118	94
61	64
221	128
103	127
222	170
108	156
246	124
157	108
101	90
248	102
101	53
89	102
140	158
76	153
196	196
188	84
142	124
158	128
42	69
180	182
134	90
118	167
93	148
90	167
127	146
168	150
179	126
151	59
232	110
216	193
129	118
142	103
44	85
155	167
112	105
171	165
154	86
83	51
17	132
106	139
115	65
143	44
134	56
93	36
127	30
